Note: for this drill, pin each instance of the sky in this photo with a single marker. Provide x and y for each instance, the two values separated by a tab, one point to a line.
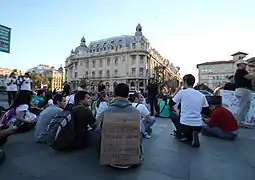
186	32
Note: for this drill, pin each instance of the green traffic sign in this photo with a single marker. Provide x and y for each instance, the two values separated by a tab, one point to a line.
5	39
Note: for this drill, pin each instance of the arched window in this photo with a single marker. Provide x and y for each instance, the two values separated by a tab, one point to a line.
132	84
115	84
141	84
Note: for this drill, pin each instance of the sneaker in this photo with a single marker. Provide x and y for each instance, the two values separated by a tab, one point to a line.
146	135
195	141
2	156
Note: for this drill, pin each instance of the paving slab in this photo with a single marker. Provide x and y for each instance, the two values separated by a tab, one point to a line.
165	158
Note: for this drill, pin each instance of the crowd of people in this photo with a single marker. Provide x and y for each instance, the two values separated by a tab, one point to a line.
188	110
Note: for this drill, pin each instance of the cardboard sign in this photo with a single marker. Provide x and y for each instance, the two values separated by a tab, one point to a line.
230	102
120	143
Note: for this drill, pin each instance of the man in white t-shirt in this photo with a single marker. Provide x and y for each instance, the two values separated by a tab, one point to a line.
26	82
11	87
192	103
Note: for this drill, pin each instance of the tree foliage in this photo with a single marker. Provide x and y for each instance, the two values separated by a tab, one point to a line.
38	80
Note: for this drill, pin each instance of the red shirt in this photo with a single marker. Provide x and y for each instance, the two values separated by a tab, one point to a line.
222	118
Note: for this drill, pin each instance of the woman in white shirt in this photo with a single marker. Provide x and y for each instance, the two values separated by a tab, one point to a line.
101	105
146	121
26	82
12	87
24	119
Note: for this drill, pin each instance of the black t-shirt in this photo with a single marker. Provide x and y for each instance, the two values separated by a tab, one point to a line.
101	88
241	81
230	86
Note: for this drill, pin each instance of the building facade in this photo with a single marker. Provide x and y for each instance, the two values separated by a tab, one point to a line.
122	59
216	73
56	77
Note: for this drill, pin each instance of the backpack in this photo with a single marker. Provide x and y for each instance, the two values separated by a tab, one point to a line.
8	116
60	131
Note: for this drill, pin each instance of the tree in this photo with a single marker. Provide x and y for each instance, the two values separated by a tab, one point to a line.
37	80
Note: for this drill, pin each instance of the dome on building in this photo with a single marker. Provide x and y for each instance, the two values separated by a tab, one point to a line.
82	49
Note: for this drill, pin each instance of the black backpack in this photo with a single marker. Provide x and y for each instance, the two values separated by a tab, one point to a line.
60	132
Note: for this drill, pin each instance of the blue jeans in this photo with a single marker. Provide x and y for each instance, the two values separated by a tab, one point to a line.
175	119
148	125
217	132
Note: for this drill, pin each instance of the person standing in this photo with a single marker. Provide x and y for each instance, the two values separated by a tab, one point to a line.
12	87
152	96
26	82
243	81
66	89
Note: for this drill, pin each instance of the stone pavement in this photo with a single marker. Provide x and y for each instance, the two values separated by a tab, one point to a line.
165	159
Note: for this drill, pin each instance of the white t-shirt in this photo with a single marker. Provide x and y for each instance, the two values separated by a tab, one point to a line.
23	107
50	102
12	86
144	112
70	99
26	84
192	102
102	107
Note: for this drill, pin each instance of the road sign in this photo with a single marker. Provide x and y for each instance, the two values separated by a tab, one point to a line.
5	39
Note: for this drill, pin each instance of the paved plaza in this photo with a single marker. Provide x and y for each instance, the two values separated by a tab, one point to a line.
165	159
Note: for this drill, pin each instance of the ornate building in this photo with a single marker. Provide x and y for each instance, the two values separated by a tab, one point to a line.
122	59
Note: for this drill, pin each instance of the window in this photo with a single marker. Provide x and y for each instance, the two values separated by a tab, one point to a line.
133	45
93	63
112	45
87	64
100	73
120	44
76	65
108	61
101	63
147	72
133	60
141	59
105	46
108	73
116	72
116	61
87	74
98	48
141	71
142	44
93	74
75	74
133	71
123	58
81	63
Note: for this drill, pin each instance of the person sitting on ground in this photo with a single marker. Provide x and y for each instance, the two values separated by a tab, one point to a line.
192	101
121	104
48	101
83	120
46	116
231	84
38	100
146	121
222	123
24	119
163	107
101	104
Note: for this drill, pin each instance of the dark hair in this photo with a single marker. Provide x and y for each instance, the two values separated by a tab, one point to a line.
231	76
189	79
22	97
47	97
80	95
132	97
215	100
57	98
40	92
100	99
121	90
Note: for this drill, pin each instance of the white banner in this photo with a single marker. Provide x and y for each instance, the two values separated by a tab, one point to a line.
230	102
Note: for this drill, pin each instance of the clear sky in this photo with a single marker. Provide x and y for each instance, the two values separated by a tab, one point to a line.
186	32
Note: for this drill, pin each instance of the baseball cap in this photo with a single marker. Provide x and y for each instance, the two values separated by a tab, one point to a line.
241	62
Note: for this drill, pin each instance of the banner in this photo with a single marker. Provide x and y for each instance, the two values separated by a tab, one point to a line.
5	39
230	102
